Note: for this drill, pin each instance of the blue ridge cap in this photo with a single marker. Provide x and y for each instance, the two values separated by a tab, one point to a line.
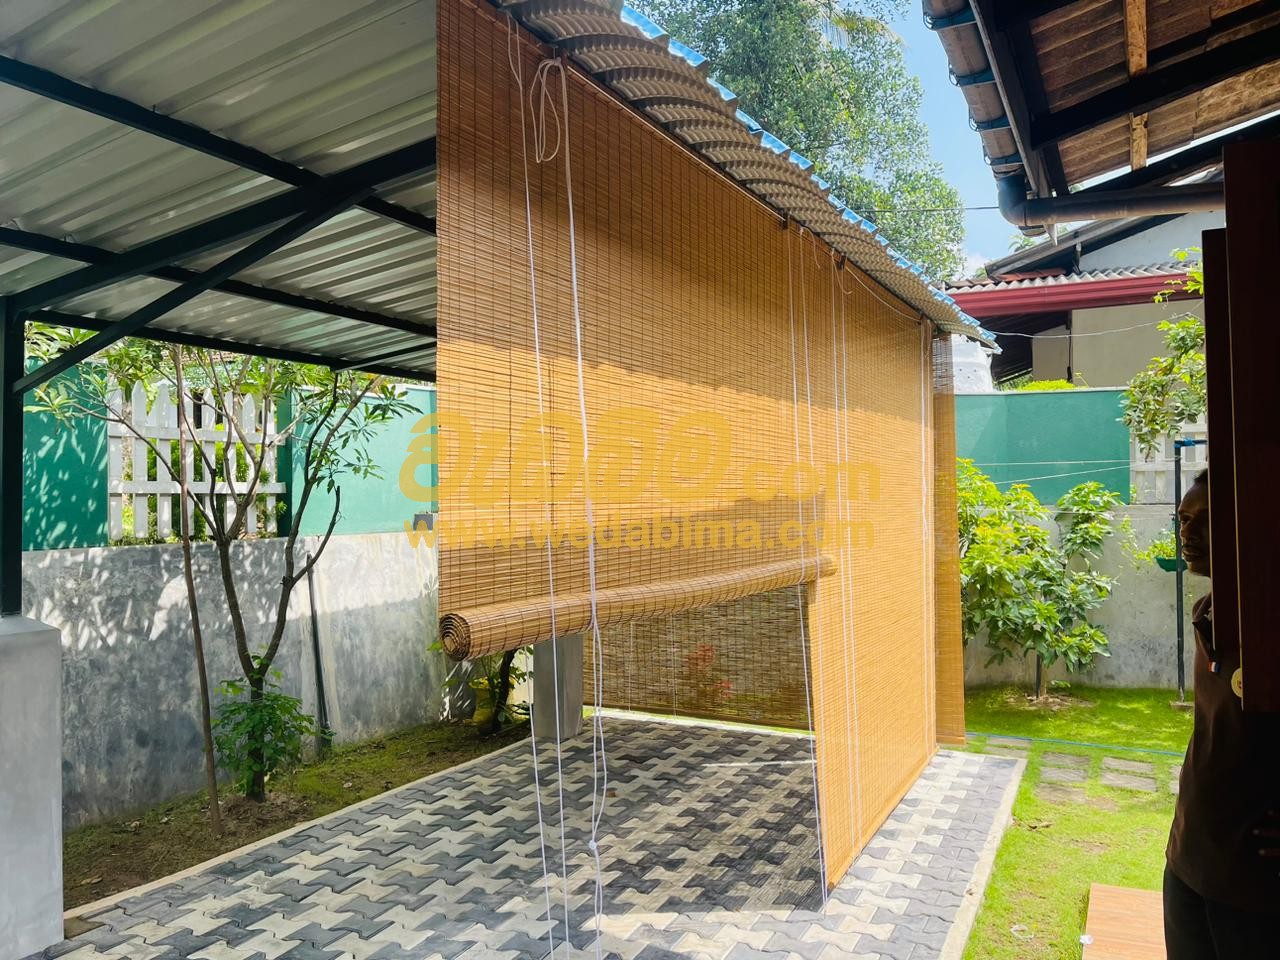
748	121
642	23
801	161
687	54
727	95
767	139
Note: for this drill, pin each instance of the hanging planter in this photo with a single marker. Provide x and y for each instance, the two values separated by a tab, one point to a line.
1171	564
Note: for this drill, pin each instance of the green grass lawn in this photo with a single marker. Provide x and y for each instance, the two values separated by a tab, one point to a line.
1035	904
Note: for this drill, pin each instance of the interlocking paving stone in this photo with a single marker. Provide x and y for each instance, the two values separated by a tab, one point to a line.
1127	781
707	848
1128	766
1065	760
1063	774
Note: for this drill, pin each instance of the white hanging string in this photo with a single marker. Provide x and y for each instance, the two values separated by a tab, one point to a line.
926	370
515	61
853	741
599	758
800	605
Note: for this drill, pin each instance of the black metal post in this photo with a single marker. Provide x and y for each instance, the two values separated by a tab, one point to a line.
1177	567
11	370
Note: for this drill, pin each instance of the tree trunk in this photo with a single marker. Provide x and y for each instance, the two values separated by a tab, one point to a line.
257	790
503	692
1039	678
197	634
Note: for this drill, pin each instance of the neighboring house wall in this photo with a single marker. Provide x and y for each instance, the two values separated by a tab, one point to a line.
131	735
1051	440
1155	245
1103	350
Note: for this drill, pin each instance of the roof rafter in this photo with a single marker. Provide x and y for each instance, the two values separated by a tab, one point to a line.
1159	86
75	321
52	86
227	228
86	253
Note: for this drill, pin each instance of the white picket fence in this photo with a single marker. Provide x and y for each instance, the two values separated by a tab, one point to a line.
1153	479
134	478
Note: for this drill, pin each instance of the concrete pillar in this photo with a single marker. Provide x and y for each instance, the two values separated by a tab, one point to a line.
557	669
30	787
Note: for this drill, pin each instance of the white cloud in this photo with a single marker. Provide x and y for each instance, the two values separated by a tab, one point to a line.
973	262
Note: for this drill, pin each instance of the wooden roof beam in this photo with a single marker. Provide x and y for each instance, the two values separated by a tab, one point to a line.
1135	42
1159	86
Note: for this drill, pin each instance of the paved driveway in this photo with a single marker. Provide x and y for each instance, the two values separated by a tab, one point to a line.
707	850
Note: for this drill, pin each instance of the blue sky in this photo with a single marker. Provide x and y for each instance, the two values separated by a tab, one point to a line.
959	149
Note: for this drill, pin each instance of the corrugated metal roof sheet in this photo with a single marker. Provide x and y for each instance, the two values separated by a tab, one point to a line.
1172	269
664	79
324	85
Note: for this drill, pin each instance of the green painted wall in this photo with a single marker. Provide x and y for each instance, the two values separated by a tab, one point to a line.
64	483
373	504
1050	440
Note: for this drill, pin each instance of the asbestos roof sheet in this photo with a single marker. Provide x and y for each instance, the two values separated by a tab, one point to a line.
323	85
636	59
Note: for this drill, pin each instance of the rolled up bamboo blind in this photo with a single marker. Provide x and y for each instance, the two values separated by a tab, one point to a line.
714	339
507	626
949	631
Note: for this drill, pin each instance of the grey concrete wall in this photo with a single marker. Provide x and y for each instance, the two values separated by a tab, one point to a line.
1139	618
30	828
130	696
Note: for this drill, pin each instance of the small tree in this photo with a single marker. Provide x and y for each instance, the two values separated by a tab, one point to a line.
1027	594
334	415
1170	391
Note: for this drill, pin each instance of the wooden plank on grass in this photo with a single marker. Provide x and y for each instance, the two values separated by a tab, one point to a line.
1124	924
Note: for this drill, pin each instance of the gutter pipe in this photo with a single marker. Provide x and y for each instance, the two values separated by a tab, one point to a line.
1031	214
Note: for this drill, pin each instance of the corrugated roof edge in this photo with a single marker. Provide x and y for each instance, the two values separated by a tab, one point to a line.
933	302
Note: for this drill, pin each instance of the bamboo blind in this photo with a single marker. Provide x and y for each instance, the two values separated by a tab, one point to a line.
949	636
695	301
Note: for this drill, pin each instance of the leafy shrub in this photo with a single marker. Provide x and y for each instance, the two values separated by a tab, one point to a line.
259	735
1170	391
1027	594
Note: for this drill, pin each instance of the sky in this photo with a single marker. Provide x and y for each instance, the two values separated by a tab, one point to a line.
958	148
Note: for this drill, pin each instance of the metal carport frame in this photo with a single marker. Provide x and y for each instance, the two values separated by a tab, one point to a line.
404	349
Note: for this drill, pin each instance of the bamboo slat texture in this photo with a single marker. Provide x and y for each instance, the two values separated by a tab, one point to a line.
949	630
508	626
727	360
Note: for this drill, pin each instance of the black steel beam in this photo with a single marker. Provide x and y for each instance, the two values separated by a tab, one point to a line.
240	260
1159	86
236	346
66	249
227	228
1188	161
11	369
52	86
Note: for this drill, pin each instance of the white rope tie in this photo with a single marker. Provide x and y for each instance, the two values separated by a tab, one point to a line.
800	606
514	60
843	455
599	758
